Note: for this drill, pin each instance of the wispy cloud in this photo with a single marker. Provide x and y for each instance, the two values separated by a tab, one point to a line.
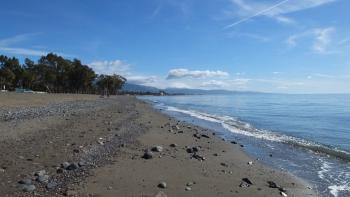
9	45
182	73
23	51
248	10
322	39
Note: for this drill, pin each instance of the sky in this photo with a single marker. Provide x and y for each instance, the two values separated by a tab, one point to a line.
283	46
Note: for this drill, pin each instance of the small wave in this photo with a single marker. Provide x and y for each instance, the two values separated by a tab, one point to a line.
239	127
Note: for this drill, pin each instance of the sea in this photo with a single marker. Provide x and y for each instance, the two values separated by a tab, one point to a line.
306	135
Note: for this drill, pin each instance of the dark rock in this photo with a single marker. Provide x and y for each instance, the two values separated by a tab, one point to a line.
65	165
60	171
198	157
72	166
148	154
224	164
205	136
76	150
272	184
233	142
189	150
247	181
195	149
162	185
173	145
25	181
197	135
242	145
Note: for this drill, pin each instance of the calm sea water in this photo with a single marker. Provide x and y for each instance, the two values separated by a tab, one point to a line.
307	135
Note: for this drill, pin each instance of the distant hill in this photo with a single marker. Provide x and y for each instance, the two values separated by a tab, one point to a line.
129	87
195	91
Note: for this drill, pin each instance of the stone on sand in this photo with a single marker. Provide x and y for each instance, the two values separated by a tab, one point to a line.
148	154
162	185
157	149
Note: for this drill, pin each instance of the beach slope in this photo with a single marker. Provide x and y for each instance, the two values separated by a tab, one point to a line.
121	146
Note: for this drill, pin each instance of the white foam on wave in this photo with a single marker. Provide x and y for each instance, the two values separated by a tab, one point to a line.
335	189
326	166
235	126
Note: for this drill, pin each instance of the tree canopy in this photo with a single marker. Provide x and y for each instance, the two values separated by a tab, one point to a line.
55	74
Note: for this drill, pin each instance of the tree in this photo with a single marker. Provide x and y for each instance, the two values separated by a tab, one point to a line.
53	73
110	83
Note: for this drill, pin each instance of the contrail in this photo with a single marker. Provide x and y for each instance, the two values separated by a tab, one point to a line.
257	14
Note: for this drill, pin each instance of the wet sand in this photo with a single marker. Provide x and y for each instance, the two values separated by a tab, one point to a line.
110	137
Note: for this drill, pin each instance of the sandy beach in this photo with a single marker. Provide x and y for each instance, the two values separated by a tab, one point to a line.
83	145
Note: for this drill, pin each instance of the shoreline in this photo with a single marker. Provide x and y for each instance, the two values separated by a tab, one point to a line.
121	129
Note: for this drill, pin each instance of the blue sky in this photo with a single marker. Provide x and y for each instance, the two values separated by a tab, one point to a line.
290	46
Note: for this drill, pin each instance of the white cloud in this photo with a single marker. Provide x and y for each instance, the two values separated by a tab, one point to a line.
110	67
183	73
248	10
321	39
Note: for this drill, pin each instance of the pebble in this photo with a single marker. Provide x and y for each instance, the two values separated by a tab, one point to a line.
272	184
27	187
148	154
283	194
246	183
250	163
157	149
65	165
51	185
188	189
205	136
25	181
189	184
43	179
40	173
162	185
224	164
72	166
